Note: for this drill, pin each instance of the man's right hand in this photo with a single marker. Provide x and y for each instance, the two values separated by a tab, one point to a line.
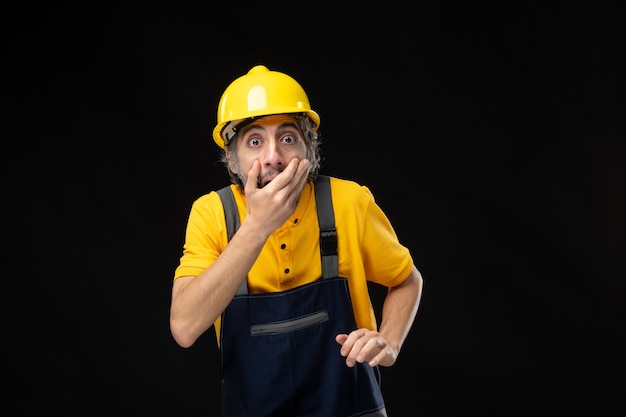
269	207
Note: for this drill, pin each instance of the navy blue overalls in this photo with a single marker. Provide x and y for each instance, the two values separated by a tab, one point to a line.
278	351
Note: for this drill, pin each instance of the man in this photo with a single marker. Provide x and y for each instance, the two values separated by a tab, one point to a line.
286	292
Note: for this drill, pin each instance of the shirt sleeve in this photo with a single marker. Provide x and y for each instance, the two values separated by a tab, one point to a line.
205	236
386	260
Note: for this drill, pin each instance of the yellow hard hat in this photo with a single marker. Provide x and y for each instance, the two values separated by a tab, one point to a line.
260	92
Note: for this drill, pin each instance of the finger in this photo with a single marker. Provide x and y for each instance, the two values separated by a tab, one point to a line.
353	337
303	170
351	348
300	177
340	339
386	357
371	348
253	176
292	171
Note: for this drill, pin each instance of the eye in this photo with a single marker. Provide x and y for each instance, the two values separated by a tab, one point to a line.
254	141
288	139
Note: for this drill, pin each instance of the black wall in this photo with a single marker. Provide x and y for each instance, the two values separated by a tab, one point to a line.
492	137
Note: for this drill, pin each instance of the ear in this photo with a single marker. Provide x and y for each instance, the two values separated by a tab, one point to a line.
232	166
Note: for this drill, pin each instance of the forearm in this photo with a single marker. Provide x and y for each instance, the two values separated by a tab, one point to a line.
198	301
399	310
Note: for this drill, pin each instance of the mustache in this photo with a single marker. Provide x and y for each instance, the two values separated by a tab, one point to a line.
269	173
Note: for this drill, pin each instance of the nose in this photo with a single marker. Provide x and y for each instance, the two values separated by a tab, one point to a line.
272	153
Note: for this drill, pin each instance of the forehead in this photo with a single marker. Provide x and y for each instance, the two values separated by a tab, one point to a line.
274	119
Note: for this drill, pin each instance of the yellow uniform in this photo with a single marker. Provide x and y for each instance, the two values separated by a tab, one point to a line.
368	248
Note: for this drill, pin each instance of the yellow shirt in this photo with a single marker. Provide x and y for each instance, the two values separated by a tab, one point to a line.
367	246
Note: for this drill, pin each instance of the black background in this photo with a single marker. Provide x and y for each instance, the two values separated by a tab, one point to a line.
491	135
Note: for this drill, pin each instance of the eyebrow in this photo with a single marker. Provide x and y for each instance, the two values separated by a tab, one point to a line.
262	127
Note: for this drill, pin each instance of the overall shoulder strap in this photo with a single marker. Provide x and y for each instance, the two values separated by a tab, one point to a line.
230	210
328	233
231	216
